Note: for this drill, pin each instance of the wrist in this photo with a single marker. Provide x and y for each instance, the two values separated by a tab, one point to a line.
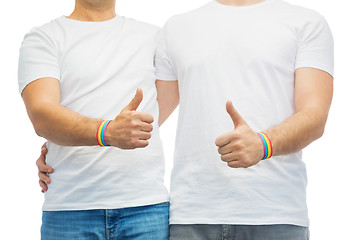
107	135
102	139
267	145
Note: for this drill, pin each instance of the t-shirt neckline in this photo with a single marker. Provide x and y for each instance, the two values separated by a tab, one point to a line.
106	22
245	7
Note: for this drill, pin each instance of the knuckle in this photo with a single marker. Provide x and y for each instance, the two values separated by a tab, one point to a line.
132	123
43	185
232	164
236	135
239	145
148	135
132	134
148	117
134	114
133	143
239	155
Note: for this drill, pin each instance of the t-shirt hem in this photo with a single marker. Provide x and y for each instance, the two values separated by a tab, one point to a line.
92	206
166	77
323	68
289	221
36	77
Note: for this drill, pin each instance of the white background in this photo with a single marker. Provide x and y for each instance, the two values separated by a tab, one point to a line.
333	162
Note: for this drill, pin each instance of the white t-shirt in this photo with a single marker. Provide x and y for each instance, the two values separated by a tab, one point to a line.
248	55
99	66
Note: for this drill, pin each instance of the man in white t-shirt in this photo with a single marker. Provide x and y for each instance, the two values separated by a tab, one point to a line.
74	73
274	61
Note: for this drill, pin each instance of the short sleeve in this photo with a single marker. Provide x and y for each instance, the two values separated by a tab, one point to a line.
38	59
164	66
316	46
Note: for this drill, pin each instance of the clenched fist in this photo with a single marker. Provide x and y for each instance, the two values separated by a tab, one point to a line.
241	147
130	129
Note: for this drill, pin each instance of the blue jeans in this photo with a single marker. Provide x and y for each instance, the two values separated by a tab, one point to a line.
144	222
238	232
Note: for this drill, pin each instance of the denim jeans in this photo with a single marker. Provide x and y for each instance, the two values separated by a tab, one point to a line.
144	222
238	232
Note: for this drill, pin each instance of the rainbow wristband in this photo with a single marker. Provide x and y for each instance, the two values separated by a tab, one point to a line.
100	133
268	149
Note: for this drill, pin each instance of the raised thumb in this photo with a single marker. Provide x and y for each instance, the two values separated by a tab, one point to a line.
235	116
135	102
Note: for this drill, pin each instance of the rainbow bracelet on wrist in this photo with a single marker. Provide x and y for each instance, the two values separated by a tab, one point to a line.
100	133
268	149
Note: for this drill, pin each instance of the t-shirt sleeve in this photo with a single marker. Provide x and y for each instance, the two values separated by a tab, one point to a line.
38	59
316	46
163	63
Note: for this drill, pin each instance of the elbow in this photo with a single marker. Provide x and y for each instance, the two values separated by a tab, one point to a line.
37	119
319	131
321	127
318	117
39	128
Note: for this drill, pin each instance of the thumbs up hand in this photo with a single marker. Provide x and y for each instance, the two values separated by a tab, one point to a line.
130	129
241	147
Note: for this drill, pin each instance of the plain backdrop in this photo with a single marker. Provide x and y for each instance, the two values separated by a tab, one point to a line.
333	162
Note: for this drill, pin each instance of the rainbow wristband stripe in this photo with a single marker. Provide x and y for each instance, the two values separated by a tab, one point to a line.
100	133
268	149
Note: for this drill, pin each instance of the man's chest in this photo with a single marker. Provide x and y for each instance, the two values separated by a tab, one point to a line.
233	44
110	58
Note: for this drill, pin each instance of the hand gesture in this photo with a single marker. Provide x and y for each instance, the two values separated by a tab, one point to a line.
241	147
130	129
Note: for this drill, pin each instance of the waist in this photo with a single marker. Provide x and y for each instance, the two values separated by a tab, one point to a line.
94	177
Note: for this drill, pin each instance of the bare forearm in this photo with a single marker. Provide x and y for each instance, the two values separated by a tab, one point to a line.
298	131
53	121
63	126
313	95
165	111
167	97
129	130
